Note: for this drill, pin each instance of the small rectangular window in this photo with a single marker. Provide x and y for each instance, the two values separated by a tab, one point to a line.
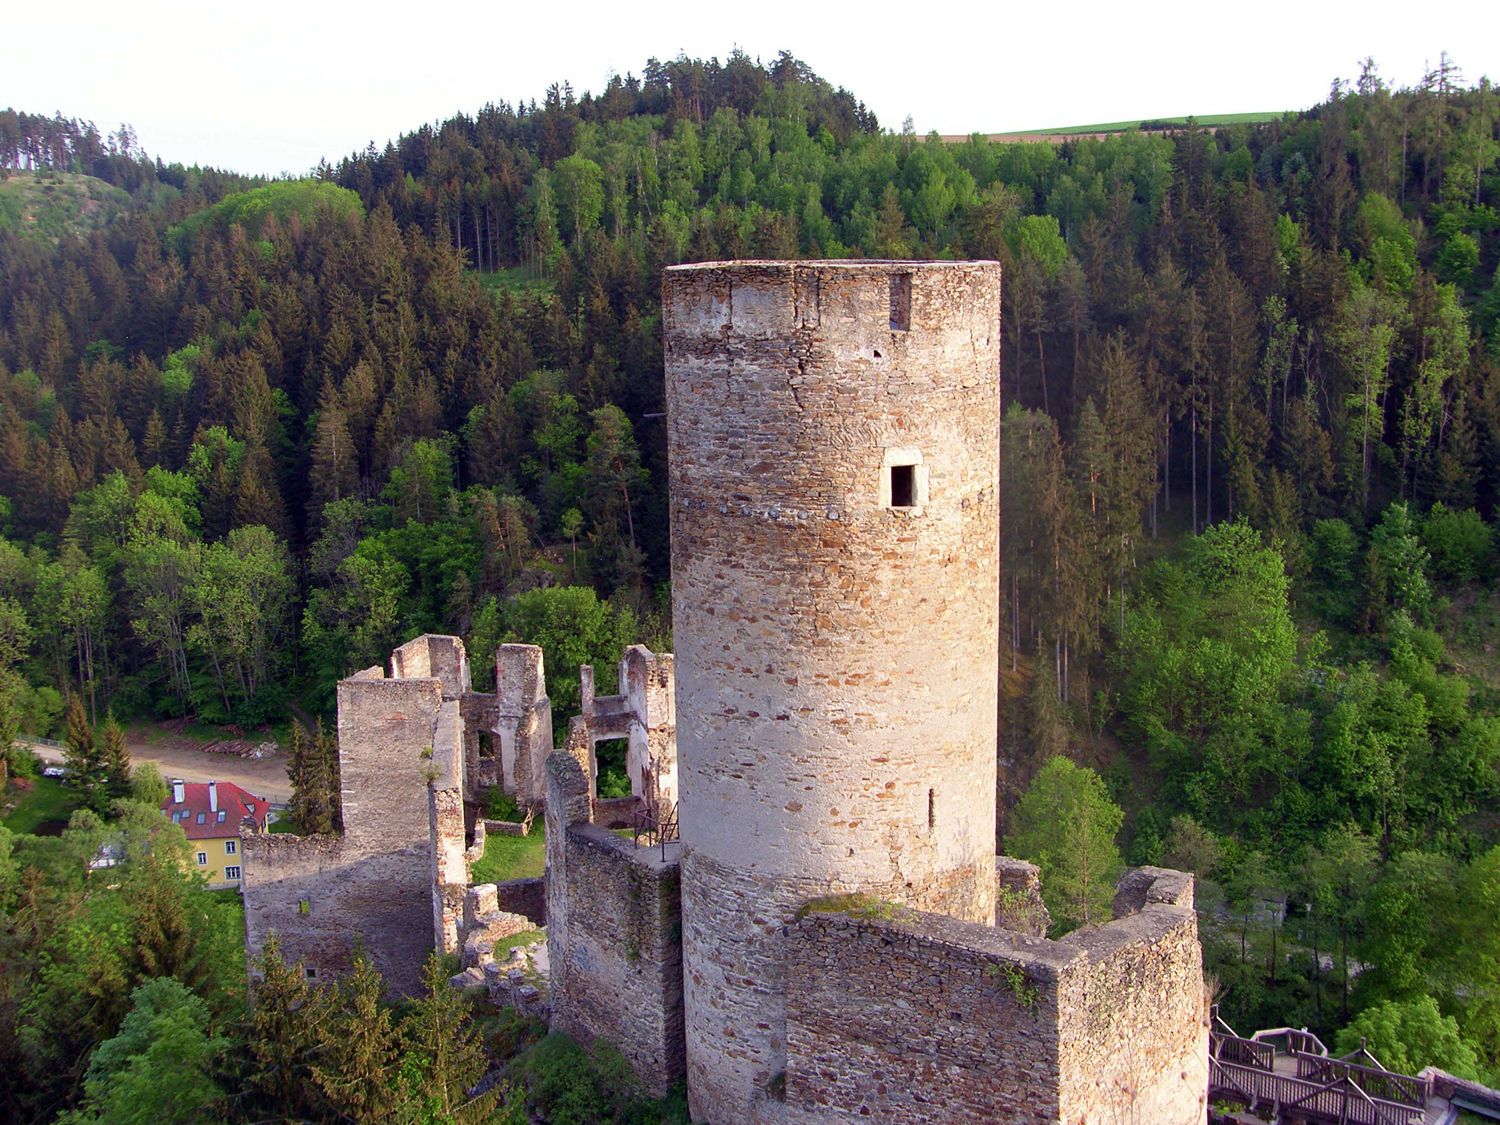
221	816
202	859
202	818
900	302
230	846
903	486
231	872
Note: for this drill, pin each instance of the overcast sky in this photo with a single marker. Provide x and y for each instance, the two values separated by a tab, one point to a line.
273	86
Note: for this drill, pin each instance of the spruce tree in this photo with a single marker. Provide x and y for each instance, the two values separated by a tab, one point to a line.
116	759
288	1028
444	1054
358	1059
83	757
299	772
326	756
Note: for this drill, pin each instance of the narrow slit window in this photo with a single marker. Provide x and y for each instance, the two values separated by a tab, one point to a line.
900	302
903	486
931	809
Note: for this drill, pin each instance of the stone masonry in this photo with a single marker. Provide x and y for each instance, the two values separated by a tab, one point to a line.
833	447
851	946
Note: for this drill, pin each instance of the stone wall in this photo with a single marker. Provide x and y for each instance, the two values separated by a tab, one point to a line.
833	442
523	721
919	1018
901	1016
613	935
319	895
395	878
527	897
1134	1031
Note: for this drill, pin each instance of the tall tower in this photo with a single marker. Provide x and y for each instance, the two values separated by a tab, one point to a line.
833	436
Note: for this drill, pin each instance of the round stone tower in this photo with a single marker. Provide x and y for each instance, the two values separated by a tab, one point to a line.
833	436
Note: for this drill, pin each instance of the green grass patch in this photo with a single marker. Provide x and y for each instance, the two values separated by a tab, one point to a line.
285	824
1128	126
525	937
511	857
46	799
854	905
48	205
516	279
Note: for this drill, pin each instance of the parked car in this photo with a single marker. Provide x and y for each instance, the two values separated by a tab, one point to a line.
54	771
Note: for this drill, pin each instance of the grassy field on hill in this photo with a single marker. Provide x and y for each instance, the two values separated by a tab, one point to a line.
1126	126
51	204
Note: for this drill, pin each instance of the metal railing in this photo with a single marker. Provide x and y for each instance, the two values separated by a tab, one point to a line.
656	825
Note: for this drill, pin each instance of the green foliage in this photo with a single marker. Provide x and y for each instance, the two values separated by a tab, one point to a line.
160	1067
565	1084
282	201
1460	544
1066	824
1409	1035
573	627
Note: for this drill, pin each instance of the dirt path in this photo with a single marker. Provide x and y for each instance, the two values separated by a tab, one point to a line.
177	756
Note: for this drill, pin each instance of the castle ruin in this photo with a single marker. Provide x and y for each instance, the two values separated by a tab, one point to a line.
830	936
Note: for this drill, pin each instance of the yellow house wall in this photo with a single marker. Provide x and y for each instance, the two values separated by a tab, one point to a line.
218	858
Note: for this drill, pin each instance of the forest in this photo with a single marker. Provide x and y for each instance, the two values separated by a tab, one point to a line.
254	434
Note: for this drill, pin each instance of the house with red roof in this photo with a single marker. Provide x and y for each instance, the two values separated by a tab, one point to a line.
211	812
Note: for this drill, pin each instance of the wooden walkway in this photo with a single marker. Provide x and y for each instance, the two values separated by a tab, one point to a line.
1290	1072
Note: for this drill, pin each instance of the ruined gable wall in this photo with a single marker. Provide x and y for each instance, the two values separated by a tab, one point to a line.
377	880
382	897
384	726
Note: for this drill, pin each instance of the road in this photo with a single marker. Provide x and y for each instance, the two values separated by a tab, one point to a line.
264	777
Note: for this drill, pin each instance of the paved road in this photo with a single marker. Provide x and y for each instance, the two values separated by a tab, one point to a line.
265	777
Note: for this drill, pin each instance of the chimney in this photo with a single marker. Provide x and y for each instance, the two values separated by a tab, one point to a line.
213	796
177	793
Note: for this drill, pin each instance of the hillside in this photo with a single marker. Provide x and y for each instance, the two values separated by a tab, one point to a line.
49	205
1251	463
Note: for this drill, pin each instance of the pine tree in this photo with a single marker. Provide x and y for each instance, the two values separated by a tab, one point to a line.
84	760
359	1053
444	1052
116	759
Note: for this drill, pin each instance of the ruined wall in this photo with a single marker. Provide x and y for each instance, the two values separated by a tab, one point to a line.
613	935
388	878
445	826
914	1018
648	683
383	897
902	1016
1134	1033
523	721
836	650
436	657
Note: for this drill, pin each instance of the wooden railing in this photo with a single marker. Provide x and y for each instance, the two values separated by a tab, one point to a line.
1308	1083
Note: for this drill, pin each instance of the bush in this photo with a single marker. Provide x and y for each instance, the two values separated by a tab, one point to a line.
1461	543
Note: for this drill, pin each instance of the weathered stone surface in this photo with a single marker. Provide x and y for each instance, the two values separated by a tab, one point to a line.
613	934
523	721
895	1015
836	652
1018	897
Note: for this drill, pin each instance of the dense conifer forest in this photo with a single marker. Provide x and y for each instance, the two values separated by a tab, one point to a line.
255	434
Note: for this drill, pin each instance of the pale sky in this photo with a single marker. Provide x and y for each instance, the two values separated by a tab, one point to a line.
272	86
